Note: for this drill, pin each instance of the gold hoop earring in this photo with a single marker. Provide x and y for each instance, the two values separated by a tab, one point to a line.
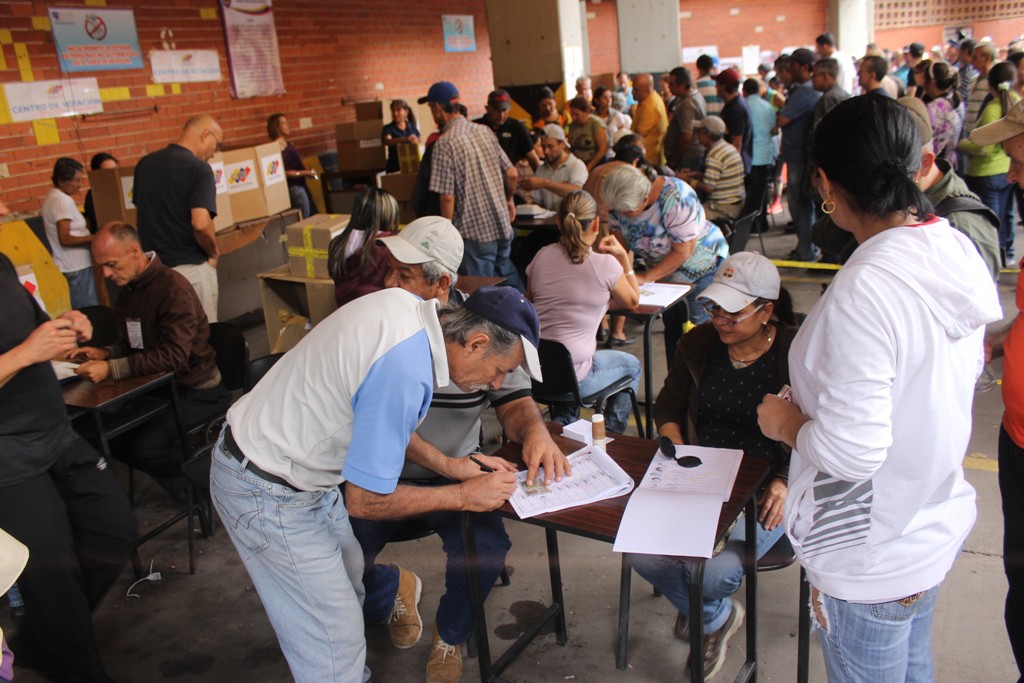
825	208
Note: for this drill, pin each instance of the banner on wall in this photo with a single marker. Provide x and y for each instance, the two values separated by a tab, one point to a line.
459	35
184	66
95	39
252	48
53	99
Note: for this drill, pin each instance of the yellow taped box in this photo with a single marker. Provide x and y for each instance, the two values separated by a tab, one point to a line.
308	242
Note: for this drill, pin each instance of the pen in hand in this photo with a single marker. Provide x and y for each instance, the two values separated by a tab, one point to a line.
483	467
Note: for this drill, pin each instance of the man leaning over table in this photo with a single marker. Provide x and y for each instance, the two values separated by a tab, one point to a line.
164	329
423	260
340	408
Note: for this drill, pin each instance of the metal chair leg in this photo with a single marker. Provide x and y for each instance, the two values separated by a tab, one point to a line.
804	630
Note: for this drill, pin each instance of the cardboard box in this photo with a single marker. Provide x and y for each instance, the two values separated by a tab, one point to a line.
256	182
224	218
112	195
285	296
358	130
368	111
400	186
362	155
308	243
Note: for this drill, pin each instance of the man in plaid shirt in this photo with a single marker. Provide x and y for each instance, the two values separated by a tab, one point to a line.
475	180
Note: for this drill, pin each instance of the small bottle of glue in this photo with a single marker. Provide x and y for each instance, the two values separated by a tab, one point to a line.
597	430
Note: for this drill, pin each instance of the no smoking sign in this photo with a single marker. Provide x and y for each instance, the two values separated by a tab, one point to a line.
95	27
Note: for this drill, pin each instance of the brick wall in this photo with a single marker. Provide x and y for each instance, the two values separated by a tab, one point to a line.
331	52
603	37
1001	33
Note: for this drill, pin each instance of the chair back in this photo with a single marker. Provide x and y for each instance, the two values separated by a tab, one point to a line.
560	384
106	325
228	343
779	556
256	368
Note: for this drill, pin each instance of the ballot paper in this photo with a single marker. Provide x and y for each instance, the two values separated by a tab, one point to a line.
661	293
595	476
64	370
675	510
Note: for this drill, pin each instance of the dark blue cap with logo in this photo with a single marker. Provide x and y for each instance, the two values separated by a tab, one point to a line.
442	92
507	307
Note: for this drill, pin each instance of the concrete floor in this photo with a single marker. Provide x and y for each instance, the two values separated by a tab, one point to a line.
212	627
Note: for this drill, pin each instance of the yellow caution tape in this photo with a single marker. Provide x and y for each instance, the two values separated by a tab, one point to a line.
307	251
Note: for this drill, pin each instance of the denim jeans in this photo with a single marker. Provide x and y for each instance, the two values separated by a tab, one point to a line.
877	643
299	199
454	614
675	317
996	193
801	208
82	288
607	367
306	565
491	259
723	574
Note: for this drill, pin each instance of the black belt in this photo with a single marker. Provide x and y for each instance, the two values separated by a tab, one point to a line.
235	452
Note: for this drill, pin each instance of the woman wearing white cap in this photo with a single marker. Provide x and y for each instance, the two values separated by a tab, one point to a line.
710	398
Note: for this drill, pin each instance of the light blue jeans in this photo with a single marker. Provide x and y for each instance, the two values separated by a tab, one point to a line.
82	288
723	574
607	367
881	643
491	259
306	565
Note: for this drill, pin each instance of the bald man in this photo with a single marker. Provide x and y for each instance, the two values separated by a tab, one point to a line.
176	199
651	120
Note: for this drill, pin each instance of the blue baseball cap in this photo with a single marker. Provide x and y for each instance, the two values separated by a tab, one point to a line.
442	93
507	307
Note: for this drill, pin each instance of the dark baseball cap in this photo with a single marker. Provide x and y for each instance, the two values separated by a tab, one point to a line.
914	50
508	308
500	99
442	92
728	76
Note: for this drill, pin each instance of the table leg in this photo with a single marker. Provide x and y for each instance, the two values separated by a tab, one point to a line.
749	671
648	378
622	638
697	620
476	600
555	567
183	440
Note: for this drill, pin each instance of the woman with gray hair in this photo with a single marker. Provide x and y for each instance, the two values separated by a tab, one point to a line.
664	225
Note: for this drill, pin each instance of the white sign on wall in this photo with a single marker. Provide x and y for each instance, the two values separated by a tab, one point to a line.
184	66
52	99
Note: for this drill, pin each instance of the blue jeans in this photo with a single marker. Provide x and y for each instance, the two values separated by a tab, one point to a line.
82	288
675	317
801	208
306	565
454	614
299	199
491	259
996	193
607	367
723	574
880	643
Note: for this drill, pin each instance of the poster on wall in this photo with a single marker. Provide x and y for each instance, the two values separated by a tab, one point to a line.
252	48
184	66
53	99
95	39
459	35
690	54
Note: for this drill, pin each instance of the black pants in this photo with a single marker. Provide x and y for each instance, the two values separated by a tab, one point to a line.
80	531
1011	489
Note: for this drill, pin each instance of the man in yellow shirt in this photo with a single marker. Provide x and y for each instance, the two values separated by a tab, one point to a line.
650	121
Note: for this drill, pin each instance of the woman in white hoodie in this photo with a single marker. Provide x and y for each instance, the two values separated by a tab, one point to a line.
883	373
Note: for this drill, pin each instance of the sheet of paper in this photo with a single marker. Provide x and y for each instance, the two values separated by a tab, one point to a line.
64	370
666	523
595	476
661	293
716	474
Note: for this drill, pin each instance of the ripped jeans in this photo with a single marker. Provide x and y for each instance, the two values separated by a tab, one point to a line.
886	642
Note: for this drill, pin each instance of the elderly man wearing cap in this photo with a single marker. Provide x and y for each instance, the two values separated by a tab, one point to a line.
561	172
340	408
1009	343
475	181
651	120
710	398
735	114
721	183
513	137
423	260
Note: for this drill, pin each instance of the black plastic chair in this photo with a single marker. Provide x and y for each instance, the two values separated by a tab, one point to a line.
753	208
256	368
561	386
780	556
232	353
106	325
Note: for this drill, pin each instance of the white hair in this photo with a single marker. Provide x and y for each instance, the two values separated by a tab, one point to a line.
433	271
625	189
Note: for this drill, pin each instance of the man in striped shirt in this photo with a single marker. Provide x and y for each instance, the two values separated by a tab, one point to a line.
721	185
983	59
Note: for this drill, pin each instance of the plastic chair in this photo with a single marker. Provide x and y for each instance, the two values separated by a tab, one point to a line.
561	386
753	207
232	353
106	325
256	368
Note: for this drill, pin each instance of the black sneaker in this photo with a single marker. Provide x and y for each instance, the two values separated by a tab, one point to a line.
682	627
615	342
716	643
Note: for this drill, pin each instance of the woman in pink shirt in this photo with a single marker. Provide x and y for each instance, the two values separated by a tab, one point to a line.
570	284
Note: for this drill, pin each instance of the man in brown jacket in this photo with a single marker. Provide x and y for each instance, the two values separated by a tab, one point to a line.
164	329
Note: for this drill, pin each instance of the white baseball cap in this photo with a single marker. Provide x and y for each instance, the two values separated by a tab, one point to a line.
431	238
13	557
742	279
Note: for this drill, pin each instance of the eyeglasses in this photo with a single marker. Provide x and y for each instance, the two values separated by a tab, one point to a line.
219	142
716	311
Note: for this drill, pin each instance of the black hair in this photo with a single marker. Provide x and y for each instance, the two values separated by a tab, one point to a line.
945	78
627	140
681	75
97	160
598	92
633	155
877	65
1001	78
783	307
1016	58
751	86
870	147
64	169
825	39
705	63
273	125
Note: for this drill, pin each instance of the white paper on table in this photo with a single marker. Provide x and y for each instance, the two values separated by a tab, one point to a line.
659	522
716	474
595	476
582	430
661	293
64	369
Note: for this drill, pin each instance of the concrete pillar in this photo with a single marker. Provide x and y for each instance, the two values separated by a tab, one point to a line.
852	22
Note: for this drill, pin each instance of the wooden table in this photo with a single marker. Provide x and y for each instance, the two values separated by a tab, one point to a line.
530	223
648	314
600	521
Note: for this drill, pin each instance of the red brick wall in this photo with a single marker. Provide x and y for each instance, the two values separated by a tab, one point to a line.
603	37
331	51
1001	33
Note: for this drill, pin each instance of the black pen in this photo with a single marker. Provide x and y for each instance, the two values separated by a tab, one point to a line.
483	467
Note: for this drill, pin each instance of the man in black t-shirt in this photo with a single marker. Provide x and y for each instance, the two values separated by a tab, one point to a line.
177	199
736	115
513	138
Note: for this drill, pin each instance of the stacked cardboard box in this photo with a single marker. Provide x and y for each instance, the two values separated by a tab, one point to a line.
308	242
293	305
359	143
256	181
400	185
